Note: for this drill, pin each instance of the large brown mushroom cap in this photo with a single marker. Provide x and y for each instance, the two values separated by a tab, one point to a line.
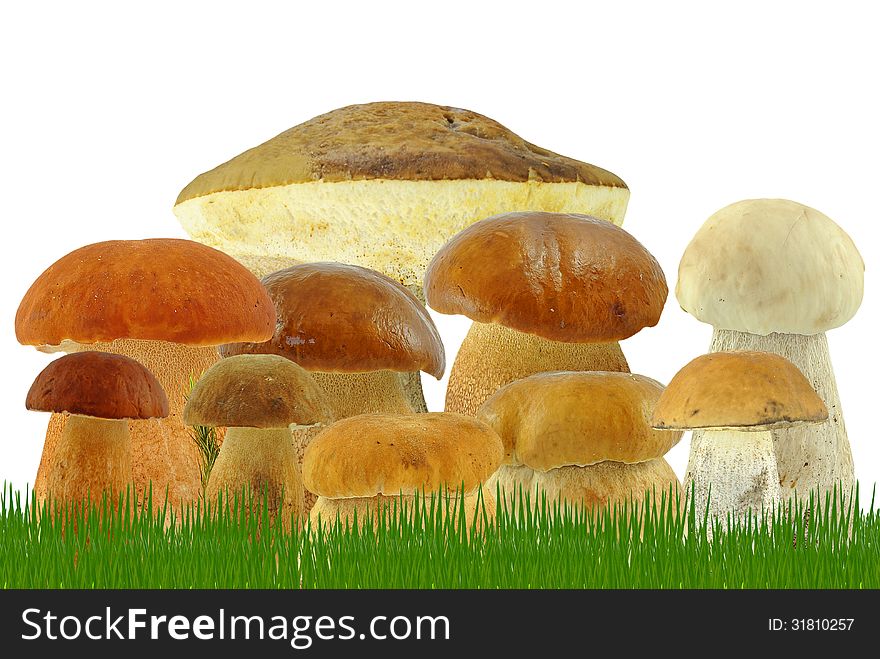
564	277
552	420
388	454
334	317
741	390
396	141
160	289
100	385
257	391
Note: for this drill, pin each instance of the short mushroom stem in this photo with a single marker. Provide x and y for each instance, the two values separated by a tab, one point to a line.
411	381
92	459
302	436
512	486
259	462
732	473
812	458
492	356
351	394
163	453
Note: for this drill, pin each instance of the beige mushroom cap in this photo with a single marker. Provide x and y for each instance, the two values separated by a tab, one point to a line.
257	391
738	390
771	265
551	420
391	454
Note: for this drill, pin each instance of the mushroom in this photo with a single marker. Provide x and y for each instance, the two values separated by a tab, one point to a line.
354	330
372	465
97	392
383	185
737	399
580	438
257	398
774	275
166	303
546	292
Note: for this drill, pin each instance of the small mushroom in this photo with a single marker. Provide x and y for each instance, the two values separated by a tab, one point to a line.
774	275
97	392
366	465
546	292
581	438
166	303
737	399
355	330
258	397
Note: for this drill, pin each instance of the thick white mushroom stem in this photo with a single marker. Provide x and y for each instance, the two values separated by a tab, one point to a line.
163	452
351	394
92	459
813	457
732	473
302	436
492	356
260	464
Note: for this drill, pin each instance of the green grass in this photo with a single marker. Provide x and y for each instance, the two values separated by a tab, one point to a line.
556	548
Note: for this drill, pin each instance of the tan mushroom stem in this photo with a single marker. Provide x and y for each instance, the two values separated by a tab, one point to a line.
92	458
351	394
259	462
732	474
811	457
591	487
162	450
412	387
478	507
493	355
302	436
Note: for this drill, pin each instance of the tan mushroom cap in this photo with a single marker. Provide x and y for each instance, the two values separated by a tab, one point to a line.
771	265
395	141
256	391
563	277
551	420
161	289
100	385
388	454
738	390
334	317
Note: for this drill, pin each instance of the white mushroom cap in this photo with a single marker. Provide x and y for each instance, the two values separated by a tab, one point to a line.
771	265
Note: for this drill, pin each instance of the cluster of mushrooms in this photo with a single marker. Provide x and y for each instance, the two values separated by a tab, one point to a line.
352	221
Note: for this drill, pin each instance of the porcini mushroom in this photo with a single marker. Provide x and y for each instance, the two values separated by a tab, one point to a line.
98	392
383	185
366	465
257	398
737	399
546	292
774	275
164	302
580	438
355	330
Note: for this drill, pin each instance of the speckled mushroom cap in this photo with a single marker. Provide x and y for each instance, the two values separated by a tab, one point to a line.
771	265
161	289
738	390
98	384
395	140
334	317
551	420
257	391
389	454
563	277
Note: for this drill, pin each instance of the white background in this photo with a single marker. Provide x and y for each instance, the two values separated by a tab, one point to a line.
108	111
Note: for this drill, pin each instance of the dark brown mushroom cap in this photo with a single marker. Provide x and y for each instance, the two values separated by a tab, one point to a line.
98	384
334	317
161	289
563	277
256	391
744	390
398	141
